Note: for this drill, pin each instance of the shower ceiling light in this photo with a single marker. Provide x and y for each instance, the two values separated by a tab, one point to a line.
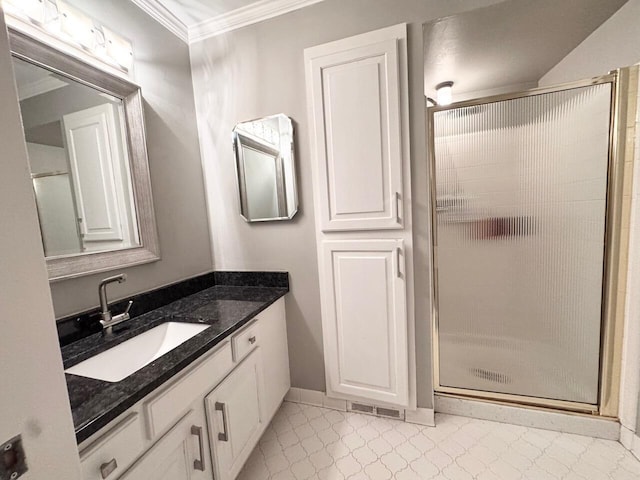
443	93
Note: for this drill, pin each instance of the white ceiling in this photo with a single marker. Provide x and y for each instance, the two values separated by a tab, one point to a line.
512	43
192	12
32	80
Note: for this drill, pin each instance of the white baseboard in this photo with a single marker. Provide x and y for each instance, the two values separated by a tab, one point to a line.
630	440
528	417
316	398
421	416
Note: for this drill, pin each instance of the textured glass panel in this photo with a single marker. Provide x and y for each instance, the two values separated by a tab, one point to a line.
520	215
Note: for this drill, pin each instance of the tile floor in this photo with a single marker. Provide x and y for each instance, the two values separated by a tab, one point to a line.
306	442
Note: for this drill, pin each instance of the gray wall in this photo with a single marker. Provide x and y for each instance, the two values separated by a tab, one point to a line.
258	71
613	45
51	106
34	400
162	70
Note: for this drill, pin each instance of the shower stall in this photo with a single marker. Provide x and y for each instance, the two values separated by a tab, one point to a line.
524	211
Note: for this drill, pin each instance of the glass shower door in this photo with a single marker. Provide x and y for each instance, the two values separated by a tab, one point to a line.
520	200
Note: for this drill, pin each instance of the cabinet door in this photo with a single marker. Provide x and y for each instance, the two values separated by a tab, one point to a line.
275	356
179	455
364	320
356	110
235	417
94	160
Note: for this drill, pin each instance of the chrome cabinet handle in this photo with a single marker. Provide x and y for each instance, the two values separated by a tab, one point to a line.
107	468
198	464
398	253
398	203
252	340
224	436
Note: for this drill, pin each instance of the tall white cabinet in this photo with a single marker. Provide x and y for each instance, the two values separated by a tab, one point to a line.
357	92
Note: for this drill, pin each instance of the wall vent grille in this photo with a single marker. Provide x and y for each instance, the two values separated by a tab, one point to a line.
388	412
359	407
379	411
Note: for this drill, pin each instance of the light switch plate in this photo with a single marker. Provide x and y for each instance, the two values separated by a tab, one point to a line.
12	459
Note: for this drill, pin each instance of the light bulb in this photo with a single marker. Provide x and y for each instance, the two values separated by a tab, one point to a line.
78	26
118	49
33	10
443	93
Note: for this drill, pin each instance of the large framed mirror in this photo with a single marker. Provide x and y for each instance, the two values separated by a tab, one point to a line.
264	154
85	137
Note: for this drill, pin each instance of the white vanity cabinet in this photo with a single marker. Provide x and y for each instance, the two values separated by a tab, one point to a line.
113	451
179	430
236	418
173	457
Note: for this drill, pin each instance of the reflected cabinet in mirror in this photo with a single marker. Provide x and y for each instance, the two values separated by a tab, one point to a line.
85	140
266	168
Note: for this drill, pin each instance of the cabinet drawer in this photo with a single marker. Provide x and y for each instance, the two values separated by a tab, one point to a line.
245	341
165	408
112	453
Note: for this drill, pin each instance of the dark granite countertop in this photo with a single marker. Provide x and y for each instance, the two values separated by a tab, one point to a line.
94	403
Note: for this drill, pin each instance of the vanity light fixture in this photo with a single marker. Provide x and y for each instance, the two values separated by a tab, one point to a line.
78	26
56	19
118	49
443	93
32	10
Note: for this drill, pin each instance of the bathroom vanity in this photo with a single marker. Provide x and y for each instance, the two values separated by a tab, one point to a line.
197	411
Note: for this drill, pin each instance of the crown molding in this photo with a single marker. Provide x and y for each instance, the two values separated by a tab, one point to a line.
160	13
241	17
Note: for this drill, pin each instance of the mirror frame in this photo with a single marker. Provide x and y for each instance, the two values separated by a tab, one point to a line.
239	139
63	267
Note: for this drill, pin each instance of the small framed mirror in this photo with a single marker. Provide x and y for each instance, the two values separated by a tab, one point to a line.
266	168
84	131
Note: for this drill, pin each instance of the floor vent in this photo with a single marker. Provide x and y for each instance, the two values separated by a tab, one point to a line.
359	407
490	376
378	411
388	412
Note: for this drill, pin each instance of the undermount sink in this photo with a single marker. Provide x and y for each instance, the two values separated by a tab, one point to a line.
128	357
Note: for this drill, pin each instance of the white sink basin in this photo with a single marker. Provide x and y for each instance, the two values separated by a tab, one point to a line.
128	357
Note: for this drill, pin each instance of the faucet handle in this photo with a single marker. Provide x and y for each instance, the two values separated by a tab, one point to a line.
128	306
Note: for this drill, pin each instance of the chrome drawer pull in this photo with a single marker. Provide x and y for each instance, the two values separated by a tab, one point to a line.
221	407
252	340
107	468
198	464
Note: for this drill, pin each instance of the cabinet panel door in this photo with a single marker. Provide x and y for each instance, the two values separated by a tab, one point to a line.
95	160
275	356
176	455
364	320
235	416
356	110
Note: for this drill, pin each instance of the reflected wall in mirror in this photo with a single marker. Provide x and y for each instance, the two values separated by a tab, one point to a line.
79	163
85	140
266	168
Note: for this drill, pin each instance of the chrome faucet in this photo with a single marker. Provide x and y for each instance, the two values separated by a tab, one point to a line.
106	319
